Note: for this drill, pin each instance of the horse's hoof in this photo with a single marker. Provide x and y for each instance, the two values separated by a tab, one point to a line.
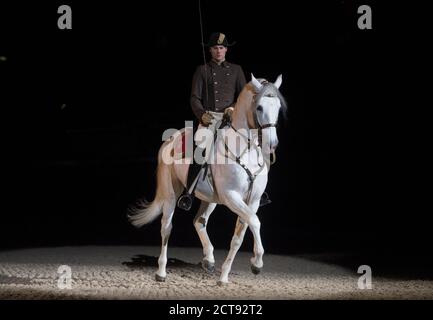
208	266
222	283
159	278
255	270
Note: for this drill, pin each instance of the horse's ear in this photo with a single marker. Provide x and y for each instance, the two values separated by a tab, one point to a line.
257	85
278	81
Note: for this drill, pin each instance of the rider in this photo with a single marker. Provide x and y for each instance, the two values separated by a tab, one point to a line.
215	88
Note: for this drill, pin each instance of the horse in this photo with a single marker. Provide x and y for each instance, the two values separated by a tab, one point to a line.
238	184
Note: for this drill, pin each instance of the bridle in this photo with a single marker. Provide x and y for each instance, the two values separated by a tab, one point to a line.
260	126
256	119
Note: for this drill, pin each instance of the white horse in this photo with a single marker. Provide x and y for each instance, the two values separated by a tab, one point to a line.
237	185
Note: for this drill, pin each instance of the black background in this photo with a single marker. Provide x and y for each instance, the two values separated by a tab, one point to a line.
83	111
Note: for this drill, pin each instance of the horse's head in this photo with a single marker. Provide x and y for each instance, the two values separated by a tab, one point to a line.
266	104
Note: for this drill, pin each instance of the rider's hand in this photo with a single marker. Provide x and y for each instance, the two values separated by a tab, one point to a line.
206	119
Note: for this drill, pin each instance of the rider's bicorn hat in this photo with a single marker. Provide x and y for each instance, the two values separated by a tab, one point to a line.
218	39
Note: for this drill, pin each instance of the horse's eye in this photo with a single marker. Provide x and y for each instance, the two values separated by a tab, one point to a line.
260	109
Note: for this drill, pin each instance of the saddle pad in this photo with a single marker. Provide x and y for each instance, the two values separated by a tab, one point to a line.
180	144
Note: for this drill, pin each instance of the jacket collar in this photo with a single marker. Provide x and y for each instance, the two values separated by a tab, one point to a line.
223	64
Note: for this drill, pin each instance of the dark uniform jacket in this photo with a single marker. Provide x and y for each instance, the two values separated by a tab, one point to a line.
224	83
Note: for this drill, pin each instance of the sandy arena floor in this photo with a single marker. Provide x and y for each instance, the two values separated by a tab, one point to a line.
128	273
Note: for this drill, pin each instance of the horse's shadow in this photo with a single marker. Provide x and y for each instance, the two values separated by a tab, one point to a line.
142	261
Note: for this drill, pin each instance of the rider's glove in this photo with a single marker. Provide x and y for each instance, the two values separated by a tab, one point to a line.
206	119
228	113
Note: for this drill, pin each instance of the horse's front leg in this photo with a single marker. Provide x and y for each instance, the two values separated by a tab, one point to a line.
257	260
234	201
235	244
200	223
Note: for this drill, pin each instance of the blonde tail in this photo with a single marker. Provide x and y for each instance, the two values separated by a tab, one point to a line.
144	212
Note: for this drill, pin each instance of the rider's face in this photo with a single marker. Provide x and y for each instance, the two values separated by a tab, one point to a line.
218	53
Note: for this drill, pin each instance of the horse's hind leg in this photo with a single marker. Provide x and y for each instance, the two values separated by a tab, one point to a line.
200	222
166	226
235	244
171	192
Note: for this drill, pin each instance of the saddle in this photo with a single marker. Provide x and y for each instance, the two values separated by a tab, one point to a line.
179	153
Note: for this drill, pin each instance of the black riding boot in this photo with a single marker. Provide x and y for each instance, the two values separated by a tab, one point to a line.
264	200
186	199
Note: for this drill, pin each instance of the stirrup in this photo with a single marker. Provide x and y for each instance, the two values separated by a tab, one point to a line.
185	201
264	200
